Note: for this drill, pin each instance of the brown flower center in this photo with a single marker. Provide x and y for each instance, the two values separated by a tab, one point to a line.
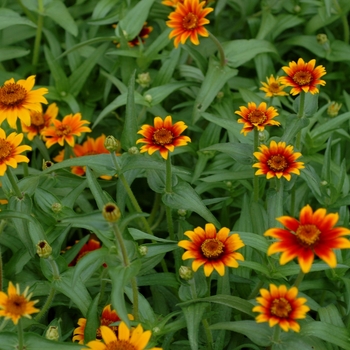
120	345
16	305
212	248
163	137
190	21
281	308
277	163
274	88
257	117
106	322
302	78
12	94
37	119
5	149
308	234
63	130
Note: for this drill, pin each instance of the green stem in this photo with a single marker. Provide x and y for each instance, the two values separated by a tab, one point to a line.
20	335
68	151
2	225
103	284
3	323
344	21
299	278
256	178
39	30
47	304
169	189
220	49
256	289
14	185
24	164
276	334
192	284
155	208
300	115
208	334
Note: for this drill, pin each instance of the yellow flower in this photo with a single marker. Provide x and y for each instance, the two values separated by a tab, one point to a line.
18	99
273	87
14	305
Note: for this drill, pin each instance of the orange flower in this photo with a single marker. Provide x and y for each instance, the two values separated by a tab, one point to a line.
214	250
15	305
88	247
277	160
108	317
188	21
144	34
10	150
257	117
172	3
163	136
314	233
303	76
65	130
39	121
273	87
17	99
281	306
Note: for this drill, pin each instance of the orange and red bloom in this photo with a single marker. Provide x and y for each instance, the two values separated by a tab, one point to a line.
15	305
273	87
277	160
163	136
172	3
214	250
188	20
313	234
281	306
65	130
144	34
10	151
18	99
256	117
303	76
88	247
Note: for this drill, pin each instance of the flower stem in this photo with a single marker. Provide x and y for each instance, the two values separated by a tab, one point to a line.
2	225
220	49
38	34
256	178
169	189
20	335
256	289
14	185
208	334
276	334
299	278
300	115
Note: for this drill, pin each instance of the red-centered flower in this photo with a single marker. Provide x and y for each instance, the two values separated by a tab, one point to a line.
273	87
214	250
144	34
303	76
188	20
163	136
313	234
277	160
108	317
281	306
88	247
172	3
257	117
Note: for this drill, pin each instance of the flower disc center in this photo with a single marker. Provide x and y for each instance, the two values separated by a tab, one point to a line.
37	119
190	21
212	248
63	130
274	87
120	345
280	307
5	149
277	163
12	94
257	117
302	78
16	305
308	234
163	137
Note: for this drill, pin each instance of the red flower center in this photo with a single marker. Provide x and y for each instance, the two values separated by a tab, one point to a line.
163	137
280	307
5	149
190	21
212	248
120	345
308	234
37	119
277	163
274	87
12	94
257	117
302	78
63	130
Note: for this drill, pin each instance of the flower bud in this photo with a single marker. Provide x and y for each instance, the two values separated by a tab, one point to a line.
185	273
133	150
220	95
52	333
56	207
46	164
148	98
112	144
143	79
111	212
181	212
333	109
143	250
321	38
43	249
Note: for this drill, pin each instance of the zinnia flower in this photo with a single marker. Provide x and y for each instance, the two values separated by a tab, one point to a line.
40	120
257	117
135	339
17	99
144	34
89	246
281	306
65	130
188	21
15	305
314	233
303	76
277	160
172	3
273	87
10	150
163	136
108	317
214	250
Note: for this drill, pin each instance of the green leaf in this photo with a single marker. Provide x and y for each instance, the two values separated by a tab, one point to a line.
330	314
293	126
167	69
160	279
10	18
311	104
92	320
137	234
11	52
100	198
254	240
308	42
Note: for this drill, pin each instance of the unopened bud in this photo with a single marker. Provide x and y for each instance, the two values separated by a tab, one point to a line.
148	98
155	330
43	249
185	273
133	150
324	183
181	212
111	212
52	333
333	109
228	184
321	38
56	207
143	79
111	144
46	164
220	95
297	8
262	136
143	250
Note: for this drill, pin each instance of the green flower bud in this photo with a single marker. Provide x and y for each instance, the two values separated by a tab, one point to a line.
111	212
43	249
